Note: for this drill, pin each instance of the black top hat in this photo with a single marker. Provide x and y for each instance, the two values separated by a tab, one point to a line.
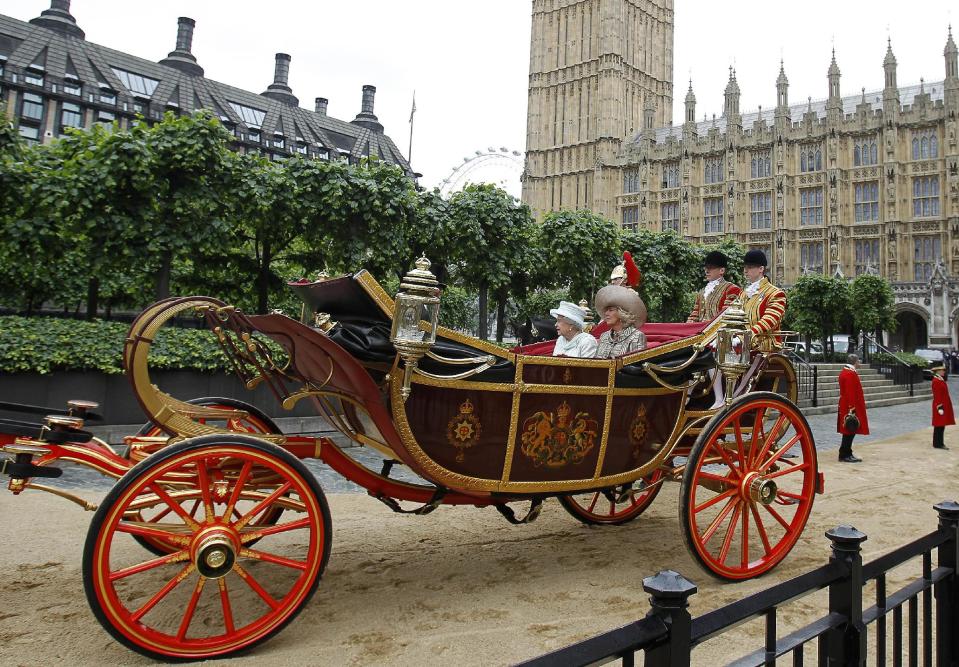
715	259
755	257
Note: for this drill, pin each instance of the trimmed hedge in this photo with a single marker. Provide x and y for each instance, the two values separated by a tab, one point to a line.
45	344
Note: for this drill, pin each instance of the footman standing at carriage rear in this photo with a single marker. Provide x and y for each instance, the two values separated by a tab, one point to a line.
718	293
851	418
765	304
942	415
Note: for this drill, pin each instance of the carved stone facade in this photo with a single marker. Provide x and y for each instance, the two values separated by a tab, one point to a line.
600	70
867	183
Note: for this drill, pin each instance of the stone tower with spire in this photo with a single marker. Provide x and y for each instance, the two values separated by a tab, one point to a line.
596	67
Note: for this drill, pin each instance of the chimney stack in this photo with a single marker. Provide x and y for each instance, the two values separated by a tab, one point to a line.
184	34
59	19
369	93
182	57
321	104
281	73
366	117
280	90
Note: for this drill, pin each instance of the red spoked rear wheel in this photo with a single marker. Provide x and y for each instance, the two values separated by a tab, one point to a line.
214	594
615	506
749	486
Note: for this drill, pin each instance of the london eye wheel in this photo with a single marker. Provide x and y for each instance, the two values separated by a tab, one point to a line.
500	166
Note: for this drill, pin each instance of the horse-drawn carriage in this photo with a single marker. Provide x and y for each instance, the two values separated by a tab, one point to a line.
216	534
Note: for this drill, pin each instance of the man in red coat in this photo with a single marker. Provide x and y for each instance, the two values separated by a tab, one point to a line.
851	401
942	415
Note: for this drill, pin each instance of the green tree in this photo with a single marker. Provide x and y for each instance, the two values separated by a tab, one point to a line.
187	159
491	227
672	270
872	300
579	249
818	305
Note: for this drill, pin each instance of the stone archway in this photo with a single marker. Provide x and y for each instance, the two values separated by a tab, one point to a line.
911	332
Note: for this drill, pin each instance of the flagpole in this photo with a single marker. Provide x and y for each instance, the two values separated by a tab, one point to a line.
409	152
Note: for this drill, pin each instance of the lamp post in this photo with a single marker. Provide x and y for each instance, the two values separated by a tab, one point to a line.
416	313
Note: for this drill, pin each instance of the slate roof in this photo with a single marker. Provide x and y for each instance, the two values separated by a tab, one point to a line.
24	45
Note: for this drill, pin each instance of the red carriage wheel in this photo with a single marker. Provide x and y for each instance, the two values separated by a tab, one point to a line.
615	506
749	486
256	421
215	594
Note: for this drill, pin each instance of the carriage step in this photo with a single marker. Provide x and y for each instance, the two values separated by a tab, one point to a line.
24	470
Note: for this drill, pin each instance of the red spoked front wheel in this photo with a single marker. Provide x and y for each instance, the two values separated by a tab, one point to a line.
749	486
614	506
214	594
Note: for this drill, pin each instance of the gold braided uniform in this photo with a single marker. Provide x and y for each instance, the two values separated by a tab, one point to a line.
765	310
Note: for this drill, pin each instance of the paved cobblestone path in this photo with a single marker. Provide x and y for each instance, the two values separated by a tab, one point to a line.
884	423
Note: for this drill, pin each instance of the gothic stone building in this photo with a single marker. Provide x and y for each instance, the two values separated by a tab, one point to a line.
867	183
51	78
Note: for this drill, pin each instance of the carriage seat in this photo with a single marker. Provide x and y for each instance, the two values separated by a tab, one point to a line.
657	333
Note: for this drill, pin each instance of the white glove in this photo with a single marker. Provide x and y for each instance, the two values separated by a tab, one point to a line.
940	410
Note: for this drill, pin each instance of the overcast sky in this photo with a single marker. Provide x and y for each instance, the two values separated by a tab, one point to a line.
468	61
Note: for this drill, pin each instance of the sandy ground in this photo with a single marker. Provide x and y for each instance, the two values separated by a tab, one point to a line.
462	586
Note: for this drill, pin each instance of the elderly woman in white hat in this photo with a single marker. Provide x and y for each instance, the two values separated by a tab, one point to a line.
572	341
624	312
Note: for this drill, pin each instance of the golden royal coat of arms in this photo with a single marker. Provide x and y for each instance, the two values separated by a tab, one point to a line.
464	429
557	440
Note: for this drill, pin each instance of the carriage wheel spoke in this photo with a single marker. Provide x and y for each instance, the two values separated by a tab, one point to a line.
257	533
770	439
225	603
203	480
716	499
777	516
744	560
724	455
188	614
730	532
740	444
176	557
162	593
711	529
260	506
273	558
761	529
787	494
255	585
238	488
757	429
150	529
786	471
593	503
175	506
779	452
716	478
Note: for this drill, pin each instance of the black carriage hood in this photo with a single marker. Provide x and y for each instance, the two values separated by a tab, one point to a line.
364	326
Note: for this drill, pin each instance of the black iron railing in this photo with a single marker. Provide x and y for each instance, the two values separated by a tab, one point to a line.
889	364
668	634
807	376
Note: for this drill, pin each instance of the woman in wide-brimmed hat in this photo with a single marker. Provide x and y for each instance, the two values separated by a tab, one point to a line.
572	341
624	312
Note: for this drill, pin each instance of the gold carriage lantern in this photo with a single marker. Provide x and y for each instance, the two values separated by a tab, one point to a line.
733	345
416	314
